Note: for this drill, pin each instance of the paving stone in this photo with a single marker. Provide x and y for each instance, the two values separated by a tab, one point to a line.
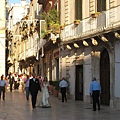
16	107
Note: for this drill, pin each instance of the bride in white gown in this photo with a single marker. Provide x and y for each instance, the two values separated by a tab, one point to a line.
45	94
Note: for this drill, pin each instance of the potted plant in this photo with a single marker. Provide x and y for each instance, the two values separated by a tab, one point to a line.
62	27
51	87
55	27
95	15
77	22
52	21
48	32
55	88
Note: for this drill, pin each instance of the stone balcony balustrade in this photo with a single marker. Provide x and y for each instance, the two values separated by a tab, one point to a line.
105	22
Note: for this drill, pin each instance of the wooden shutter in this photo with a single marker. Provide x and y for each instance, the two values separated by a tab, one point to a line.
101	5
78	9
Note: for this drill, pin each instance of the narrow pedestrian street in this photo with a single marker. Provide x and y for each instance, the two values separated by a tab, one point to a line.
16	107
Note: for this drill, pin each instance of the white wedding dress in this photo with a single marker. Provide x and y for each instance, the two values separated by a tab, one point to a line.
45	96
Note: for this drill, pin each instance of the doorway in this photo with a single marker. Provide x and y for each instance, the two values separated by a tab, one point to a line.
79	83
105	77
57	68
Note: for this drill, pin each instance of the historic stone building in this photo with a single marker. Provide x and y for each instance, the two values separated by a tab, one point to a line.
2	37
16	26
91	48
88	46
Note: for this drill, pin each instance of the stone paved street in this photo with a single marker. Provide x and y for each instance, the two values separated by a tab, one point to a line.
16	107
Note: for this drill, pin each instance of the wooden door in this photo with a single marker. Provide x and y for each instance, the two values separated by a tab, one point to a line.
79	83
105	77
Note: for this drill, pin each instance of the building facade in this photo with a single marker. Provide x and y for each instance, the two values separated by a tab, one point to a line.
92	47
81	51
2	37
18	12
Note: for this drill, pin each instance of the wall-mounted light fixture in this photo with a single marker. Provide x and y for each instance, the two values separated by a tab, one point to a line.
68	47
103	38
85	43
117	35
94	42
76	45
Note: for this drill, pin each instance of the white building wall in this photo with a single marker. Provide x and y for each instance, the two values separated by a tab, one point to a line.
18	11
64	67
71	11
2	36
117	69
118	2
2	54
72	75
85	12
87	77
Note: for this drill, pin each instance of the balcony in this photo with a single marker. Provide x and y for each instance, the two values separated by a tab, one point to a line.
21	57
29	37
105	22
30	53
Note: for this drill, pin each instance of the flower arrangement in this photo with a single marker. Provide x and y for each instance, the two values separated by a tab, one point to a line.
77	22
95	15
62	27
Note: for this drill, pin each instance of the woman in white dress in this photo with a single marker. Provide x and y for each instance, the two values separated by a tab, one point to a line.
45	94
39	95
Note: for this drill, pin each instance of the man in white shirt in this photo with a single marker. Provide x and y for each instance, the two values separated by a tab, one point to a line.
63	85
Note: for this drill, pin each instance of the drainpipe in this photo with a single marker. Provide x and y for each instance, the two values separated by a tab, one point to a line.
42	62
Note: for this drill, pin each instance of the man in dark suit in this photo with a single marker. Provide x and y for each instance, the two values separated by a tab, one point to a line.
11	81
34	87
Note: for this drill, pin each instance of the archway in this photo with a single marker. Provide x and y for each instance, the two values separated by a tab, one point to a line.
105	77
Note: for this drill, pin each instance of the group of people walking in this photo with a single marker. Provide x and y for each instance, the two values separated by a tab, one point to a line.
35	85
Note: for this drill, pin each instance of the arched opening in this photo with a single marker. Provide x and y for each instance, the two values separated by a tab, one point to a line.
105	77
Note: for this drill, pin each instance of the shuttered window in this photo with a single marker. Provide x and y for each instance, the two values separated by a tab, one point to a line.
78	9
101	5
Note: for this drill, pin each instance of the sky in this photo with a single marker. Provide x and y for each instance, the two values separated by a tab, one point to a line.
15	1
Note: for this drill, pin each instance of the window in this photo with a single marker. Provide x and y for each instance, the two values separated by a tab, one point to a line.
78	9
101	5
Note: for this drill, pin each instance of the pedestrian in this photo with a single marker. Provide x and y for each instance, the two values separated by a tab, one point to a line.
34	87
26	81
22	82
15	81
11	81
7	82
95	91
63	86
2	87
39	95
45	94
